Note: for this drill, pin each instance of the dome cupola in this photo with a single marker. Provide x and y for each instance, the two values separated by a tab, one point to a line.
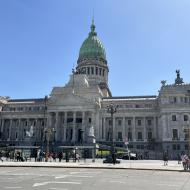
92	47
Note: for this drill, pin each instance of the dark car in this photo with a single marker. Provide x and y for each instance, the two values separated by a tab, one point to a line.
109	160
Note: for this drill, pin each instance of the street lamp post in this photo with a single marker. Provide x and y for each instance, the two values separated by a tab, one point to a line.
44	125
48	134
112	109
188	92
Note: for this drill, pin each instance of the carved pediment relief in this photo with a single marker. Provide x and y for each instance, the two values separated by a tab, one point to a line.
70	100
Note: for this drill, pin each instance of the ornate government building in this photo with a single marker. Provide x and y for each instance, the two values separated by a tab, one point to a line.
78	112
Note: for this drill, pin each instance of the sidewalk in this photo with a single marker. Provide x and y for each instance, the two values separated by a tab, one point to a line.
98	164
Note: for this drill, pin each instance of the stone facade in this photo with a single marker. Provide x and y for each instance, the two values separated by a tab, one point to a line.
77	113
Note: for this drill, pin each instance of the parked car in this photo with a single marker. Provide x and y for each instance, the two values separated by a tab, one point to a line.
109	160
133	156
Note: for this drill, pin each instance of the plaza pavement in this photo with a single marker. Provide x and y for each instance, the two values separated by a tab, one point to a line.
98	164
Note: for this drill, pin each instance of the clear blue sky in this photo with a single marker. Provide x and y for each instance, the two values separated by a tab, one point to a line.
145	42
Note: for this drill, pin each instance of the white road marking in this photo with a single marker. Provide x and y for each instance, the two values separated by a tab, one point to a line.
13	187
122	182
166	184
85	172
62	176
77	176
56	182
57	189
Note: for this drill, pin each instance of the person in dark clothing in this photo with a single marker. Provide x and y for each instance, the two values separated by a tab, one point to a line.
60	156
1	154
179	158
165	158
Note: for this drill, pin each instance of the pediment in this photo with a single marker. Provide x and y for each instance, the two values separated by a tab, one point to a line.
70	100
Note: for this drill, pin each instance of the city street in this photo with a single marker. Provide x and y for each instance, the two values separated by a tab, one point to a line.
31	178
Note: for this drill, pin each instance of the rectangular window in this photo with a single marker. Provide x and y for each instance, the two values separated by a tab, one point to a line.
96	70
149	135
84	70
88	70
92	70
119	136
89	120
139	135
129	136
174	99
174	146
174	118
139	122
103	72
175	134
78	120
186	134
185	117
129	122
186	100
119	122
100	71
109	122
149	122
42	123
69	120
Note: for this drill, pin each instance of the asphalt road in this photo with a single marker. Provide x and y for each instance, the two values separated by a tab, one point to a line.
91	179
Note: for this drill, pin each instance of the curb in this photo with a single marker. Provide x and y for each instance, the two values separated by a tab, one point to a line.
91	167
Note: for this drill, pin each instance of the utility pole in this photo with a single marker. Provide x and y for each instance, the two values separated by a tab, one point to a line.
112	109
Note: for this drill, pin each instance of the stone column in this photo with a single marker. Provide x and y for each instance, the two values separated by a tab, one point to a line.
94	123
123	129
164	127
74	127
19	130
49	120
57	127
114	135
155	129
144	129
83	126
2	126
181	133
104	129
65	127
10	129
134	130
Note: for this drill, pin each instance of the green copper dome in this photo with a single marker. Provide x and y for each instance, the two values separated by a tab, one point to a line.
92	46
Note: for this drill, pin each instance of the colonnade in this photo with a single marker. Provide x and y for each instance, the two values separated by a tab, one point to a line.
16	129
129	127
71	126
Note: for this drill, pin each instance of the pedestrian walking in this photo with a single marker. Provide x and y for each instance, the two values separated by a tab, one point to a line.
60	156
1	155
165	158
185	161
179	158
77	157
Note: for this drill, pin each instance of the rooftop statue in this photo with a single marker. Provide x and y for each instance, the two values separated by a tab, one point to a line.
178	80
